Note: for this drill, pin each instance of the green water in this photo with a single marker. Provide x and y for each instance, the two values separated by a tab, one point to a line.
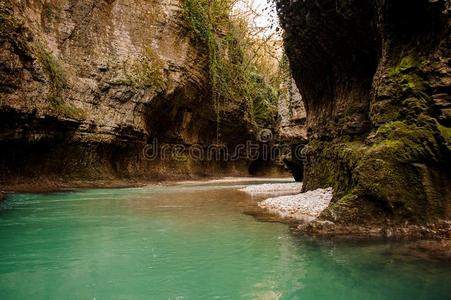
189	242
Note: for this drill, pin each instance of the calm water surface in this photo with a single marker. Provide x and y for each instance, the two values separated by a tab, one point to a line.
189	241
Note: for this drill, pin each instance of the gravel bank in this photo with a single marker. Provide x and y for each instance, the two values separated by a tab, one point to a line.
304	207
273	189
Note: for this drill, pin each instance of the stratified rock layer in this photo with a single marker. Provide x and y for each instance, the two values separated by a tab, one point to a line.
375	77
292	115
85	85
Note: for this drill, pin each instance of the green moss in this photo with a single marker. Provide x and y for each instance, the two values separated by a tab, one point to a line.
406	76
147	72
408	63
446	112
360	173
405	64
54	71
329	158
396	185
395	171
353	208
411	82
66	110
378	175
415	105
405	142
446	134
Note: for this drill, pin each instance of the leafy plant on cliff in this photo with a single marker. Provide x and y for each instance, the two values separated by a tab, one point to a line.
54	70
13	31
52	66
146	72
66	110
236	69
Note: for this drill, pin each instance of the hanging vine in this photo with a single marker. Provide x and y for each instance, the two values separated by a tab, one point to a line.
236	60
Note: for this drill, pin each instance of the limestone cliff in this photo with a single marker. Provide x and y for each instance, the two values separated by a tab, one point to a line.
84	85
292	114
375	77
292	130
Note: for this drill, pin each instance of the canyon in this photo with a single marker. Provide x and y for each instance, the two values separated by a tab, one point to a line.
87	85
188	149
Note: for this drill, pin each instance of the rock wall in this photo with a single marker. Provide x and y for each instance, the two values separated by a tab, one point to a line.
375	78
85	85
292	130
292	114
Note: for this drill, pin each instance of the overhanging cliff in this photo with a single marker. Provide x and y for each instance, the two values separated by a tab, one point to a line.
375	77
85	85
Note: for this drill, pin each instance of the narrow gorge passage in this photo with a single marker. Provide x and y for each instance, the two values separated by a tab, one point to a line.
225	149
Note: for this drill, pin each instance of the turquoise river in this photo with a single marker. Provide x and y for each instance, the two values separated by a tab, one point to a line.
190	241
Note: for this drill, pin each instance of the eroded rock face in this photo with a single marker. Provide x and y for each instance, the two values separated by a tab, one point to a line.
84	85
292	115
375	77
292	130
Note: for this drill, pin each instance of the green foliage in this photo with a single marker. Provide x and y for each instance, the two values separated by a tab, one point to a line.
234	76
54	70
265	98
145	72
66	110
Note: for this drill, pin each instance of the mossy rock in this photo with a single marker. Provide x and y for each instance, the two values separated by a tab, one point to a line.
397	185
446	135
354	208
380	175
407	77
66	110
405	142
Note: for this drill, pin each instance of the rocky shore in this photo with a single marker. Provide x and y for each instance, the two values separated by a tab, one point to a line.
273	189
438	231
302	207
286	200
303	210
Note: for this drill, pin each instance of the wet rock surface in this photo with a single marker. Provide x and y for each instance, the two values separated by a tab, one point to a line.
438	231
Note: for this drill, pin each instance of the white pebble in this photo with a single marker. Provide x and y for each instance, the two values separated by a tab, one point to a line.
308	205
273	189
